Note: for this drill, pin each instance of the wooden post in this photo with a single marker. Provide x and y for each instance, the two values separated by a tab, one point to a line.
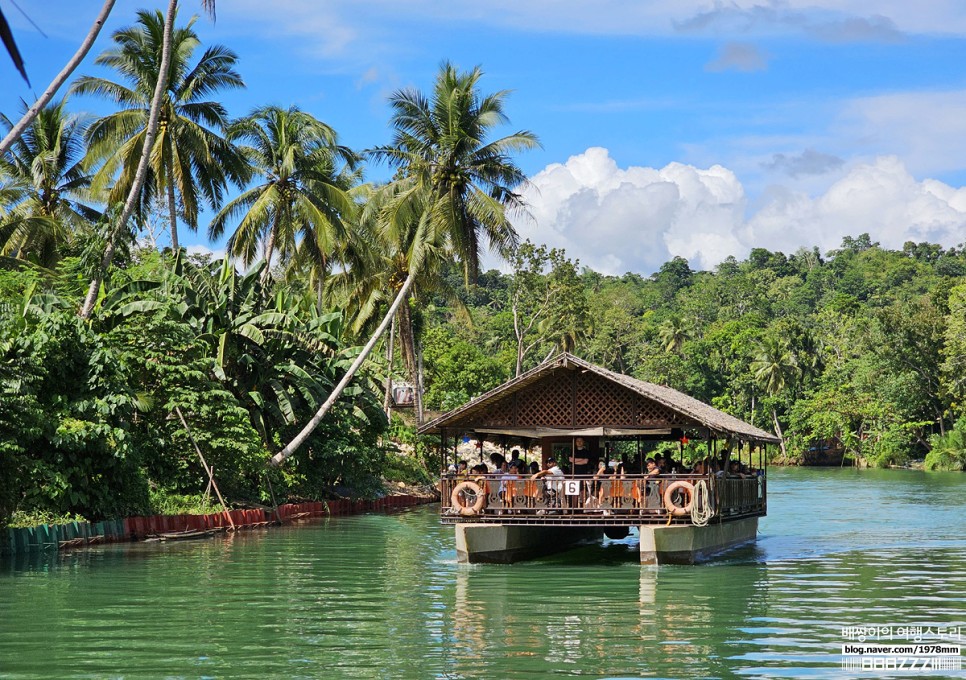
211	474
386	404
274	502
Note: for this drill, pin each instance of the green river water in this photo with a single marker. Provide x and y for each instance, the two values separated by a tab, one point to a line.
381	596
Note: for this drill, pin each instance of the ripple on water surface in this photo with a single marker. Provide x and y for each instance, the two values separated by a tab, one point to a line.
381	596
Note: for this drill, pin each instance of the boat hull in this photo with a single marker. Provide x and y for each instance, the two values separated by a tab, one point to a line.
506	543
660	544
683	544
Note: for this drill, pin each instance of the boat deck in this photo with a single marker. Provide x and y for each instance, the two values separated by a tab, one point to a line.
575	500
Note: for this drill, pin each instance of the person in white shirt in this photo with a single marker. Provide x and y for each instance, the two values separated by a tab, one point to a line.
552	487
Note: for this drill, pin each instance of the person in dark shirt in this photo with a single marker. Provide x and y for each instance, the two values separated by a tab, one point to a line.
580	458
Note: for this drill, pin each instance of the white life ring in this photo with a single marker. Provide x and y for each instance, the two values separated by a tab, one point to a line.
678	510
459	498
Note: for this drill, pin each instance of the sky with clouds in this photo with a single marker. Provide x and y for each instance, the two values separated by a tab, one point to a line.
686	128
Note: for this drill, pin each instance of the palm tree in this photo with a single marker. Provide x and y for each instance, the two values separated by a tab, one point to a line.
44	99
440	146
189	160
672	334
46	187
390	245
775	367
154	116
302	202
453	186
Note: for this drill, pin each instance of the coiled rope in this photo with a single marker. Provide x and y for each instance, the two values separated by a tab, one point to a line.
702	508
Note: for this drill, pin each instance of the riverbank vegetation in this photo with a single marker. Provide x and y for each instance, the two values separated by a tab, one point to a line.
859	350
120	360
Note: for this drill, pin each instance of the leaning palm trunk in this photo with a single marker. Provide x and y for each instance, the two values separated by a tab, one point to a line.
778	431
309	428
407	346
59	80
387	402
135	193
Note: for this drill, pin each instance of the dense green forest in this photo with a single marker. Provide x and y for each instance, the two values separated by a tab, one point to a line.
861	347
118	357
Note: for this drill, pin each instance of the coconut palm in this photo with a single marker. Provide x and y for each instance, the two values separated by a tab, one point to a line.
151	131
391	244
775	367
300	205
48	94
190	162
440	146
453	186
45	187
672	334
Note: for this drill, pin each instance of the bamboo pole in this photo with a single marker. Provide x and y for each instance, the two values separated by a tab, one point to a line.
274	502
211	474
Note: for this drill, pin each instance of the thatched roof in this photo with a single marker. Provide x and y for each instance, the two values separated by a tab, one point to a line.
569	396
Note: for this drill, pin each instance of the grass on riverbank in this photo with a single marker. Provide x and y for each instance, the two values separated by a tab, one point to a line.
25	520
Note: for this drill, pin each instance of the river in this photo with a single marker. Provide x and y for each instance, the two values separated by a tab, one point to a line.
381	596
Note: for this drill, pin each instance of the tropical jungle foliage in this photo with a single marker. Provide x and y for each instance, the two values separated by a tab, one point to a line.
861	348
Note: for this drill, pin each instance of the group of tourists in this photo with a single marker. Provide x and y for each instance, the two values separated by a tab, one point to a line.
582	462
635	485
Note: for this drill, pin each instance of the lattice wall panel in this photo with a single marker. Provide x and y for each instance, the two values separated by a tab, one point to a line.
547	403
551	402
602	402
497	414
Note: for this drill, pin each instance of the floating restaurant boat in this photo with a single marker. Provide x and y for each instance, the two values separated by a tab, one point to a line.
681	518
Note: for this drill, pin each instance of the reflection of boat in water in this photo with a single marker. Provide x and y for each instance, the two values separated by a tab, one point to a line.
568	613
582	413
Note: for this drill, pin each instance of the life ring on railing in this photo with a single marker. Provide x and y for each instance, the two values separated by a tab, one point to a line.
458	498
678	510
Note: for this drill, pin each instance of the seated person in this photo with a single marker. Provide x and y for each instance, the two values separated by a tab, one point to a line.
552	486
594	488
602	471
508	488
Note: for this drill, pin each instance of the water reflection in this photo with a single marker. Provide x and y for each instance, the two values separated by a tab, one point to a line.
591	613
383	597
642	621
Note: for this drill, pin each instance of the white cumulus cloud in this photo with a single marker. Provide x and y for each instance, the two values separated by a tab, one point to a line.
634	219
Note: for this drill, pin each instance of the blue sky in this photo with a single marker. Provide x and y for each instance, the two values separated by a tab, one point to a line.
669	127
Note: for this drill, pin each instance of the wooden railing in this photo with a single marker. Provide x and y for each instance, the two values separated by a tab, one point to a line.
582	499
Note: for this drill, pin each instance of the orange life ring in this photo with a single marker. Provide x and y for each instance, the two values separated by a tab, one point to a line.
677	510
458	498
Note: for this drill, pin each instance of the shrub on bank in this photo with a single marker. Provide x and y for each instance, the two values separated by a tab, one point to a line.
949	451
